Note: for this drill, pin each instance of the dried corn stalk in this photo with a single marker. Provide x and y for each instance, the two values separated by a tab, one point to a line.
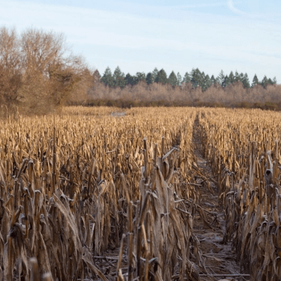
243	149
71	189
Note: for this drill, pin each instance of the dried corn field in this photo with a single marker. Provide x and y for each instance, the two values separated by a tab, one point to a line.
93	195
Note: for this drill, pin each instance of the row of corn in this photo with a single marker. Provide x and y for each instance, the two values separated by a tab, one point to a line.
243	148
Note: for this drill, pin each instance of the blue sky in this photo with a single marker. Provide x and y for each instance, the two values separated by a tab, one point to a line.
175	35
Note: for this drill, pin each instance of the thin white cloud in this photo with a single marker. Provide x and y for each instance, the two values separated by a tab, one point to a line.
255	16
233	9
189	6
204	5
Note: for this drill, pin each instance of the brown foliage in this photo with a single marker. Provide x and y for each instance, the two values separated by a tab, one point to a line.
234	95
37	72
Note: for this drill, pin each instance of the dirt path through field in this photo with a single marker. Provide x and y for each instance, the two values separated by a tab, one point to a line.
218	259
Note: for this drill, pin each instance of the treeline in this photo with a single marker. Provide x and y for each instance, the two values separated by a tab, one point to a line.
193	89
195	77
38	74
158	94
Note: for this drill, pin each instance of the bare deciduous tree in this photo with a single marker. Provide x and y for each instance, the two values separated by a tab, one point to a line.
37	71
10	66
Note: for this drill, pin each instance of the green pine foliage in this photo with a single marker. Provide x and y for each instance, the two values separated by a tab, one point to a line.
161	77
107	78
154	74
195	77
173	79
207	82
213	80
119	78
255	81
186	78
179	79
140	76
129	79
246	81
149	78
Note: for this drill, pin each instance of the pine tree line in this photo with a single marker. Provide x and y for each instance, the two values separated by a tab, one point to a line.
195	77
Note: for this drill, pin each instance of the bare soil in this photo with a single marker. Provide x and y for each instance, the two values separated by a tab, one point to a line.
218	259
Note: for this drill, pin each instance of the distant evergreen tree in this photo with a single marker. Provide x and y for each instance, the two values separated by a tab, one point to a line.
274	81
193	78
173	79
255	81
241	77
149	78
154	74
264	82
140	76
186	78
119	78
231	77
196	78
161	77
220	78
236	77
207	82
246	81
226	81
202	80
179	79
269	81
129	79
107	78
213	79
135	80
